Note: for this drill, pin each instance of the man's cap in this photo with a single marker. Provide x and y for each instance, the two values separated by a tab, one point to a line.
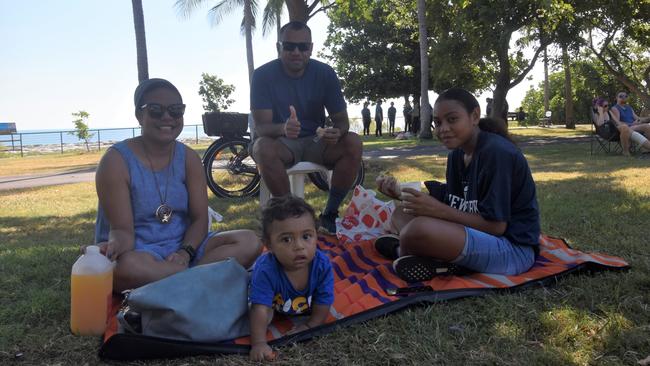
149	85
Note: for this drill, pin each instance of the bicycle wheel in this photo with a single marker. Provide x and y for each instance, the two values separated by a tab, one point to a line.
320	179
231	172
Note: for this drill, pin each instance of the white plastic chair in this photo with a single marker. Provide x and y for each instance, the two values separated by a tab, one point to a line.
297	175
213	215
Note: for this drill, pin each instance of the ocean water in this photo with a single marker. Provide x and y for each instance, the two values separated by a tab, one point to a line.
57	137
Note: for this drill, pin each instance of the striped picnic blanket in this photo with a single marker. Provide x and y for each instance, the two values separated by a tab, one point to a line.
362	278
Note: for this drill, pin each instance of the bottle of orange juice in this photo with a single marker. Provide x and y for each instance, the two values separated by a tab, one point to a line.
90	291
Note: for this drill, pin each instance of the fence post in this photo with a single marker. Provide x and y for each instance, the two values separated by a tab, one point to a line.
196	133
13	148
61	139
21	145
133	132
99	140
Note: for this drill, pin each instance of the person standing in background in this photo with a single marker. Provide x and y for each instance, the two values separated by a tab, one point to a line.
392	112
365	117
415	118
379	118
407	116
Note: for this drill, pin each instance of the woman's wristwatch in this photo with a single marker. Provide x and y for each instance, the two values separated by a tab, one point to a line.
190	251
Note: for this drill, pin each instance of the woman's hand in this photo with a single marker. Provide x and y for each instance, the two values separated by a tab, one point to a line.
262	352
179	257
388	185
111	249
418	203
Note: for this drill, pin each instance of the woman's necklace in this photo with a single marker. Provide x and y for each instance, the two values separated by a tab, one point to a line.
164	211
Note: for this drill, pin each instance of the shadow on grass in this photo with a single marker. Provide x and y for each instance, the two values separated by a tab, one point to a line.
582	319
36	256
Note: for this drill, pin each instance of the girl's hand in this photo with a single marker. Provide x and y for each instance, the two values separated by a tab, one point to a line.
388	185
262	352
418	203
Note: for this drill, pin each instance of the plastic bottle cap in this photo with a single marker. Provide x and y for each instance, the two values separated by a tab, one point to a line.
92	249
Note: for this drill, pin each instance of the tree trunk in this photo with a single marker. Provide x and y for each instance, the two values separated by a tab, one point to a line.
425	112
546	92
502	84
140	41
248	29
278	26
568	90
297	10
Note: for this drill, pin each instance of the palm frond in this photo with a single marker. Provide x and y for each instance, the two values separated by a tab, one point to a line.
223	8
272	9
242	27
184	8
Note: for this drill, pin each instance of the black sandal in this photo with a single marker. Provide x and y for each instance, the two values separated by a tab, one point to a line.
387	245
419	269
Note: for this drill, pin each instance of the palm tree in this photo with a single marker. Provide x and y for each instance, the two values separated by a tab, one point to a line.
222	8
425	112
140	40
302	10
273	16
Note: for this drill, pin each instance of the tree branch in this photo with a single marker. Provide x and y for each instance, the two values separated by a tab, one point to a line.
323	9
622	78
530	66
646	75
312	6
630	62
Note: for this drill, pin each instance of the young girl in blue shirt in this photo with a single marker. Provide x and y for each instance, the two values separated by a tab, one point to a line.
487	219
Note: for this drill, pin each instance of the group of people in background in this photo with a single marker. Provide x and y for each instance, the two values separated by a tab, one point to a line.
379	118
411	118
623	119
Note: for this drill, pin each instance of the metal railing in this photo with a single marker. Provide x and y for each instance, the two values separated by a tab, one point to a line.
66	140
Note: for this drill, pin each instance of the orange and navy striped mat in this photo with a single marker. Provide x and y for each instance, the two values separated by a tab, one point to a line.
362	278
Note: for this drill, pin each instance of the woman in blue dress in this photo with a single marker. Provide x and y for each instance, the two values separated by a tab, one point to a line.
153	204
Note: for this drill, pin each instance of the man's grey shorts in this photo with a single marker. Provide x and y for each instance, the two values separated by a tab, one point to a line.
302	149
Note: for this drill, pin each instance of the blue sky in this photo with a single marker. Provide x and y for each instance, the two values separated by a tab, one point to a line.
63	56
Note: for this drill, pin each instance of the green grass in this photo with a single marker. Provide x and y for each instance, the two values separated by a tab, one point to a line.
598	203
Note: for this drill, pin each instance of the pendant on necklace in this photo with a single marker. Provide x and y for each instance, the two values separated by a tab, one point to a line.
164	213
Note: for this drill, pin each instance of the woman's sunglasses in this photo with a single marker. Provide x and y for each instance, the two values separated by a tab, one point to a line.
157	111
605	105
290	46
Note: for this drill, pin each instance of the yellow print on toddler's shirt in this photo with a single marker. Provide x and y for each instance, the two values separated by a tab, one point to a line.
299	305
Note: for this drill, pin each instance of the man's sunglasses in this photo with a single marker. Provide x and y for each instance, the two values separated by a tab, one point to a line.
157	111
622	96
290	46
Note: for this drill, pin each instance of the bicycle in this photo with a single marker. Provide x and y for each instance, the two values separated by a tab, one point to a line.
230	170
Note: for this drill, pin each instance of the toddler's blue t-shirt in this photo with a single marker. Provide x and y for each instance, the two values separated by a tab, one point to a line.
271	287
